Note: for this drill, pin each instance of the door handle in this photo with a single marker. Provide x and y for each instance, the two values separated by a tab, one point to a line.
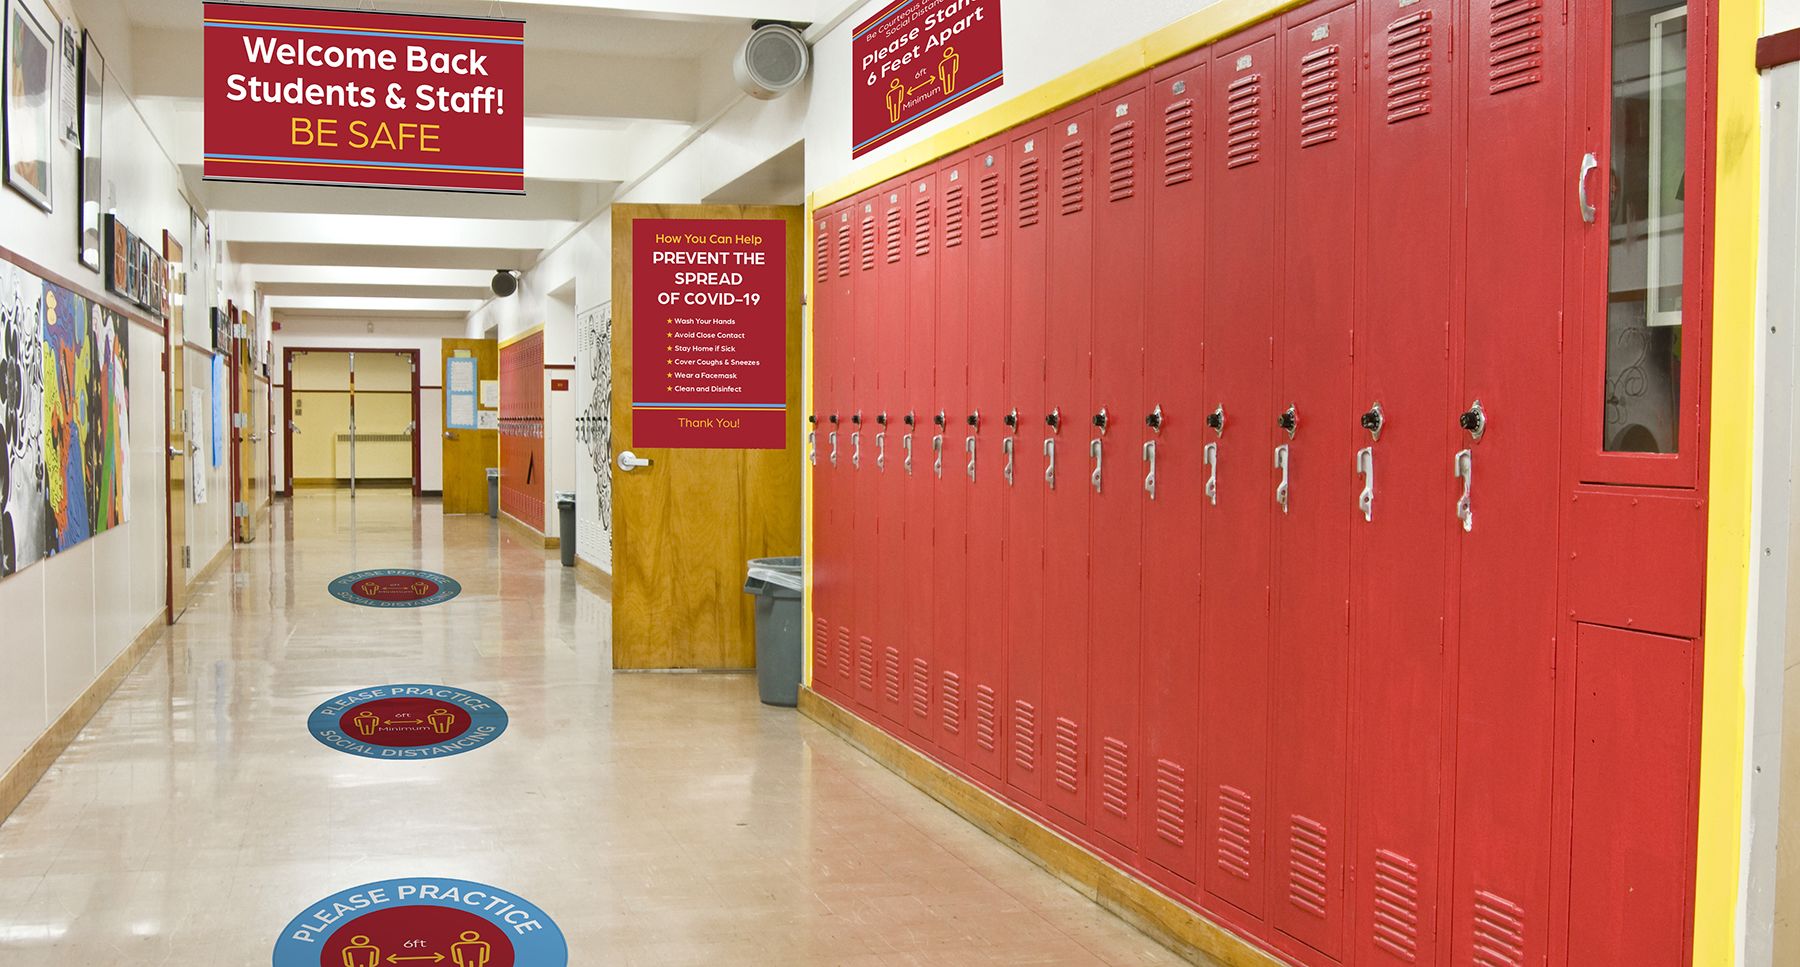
293	427
1365	465
448	435
1210	457
177	452
1097	450
831	438
629	461
255	438
1050	462
1465	470
1588	164
1150	476
937	461
1006	446
1281	489
856	449
906	444
812	447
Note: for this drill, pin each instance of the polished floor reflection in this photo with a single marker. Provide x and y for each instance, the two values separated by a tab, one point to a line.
661	819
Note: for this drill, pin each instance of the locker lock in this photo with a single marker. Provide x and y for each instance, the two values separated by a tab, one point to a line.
975	419
881	419
938	419
834	419
910	420
1100	420
1012	420
1155	419
856	418
1289	421
813	419
1053	419
1372	421
1474	420
1216	420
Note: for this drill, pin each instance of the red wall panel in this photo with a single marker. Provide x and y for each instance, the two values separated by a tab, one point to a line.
522	430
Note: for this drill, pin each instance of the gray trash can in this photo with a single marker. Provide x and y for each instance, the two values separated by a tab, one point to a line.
777	584
494	492
565	517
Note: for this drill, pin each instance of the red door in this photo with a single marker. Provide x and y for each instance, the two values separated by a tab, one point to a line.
894	620
1174	345
950	487
913	461
1311	616
1122	427
866	552
1067	369
1026	314
1399	545
975	215
1518	202
1243	284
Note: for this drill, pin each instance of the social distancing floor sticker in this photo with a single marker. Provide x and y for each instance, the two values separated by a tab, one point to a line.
422	920
408	721
391	587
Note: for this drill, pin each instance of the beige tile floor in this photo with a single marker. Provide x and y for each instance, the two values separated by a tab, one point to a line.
661	819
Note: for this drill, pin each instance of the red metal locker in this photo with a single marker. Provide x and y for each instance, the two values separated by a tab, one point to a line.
1518	194
1174	340
865	554
824	534
975	216
1243	266
1400	543
1319	132
894	620
950	489
834	487
913	460
1069	194
1026	315
1122	425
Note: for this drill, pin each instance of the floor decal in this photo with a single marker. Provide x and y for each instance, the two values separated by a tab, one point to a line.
422	920
391	587
408	722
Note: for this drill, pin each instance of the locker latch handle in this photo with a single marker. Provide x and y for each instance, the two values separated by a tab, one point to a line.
1465	470
1006	446
906	445
1150	474
969	446
832	438
812	447
1097	449
937	463
1281	464
1365	465
1050	462
1588	164
881	451
856	449
1210	457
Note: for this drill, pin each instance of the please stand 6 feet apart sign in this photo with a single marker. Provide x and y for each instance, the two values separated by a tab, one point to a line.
365	99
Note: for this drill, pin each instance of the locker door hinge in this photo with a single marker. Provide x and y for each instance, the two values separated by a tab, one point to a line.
1559	332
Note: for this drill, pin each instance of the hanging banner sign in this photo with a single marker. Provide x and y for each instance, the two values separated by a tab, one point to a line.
354	97
917	59
709	333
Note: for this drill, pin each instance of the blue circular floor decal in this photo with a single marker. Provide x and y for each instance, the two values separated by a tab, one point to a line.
422	920
392	587
408	722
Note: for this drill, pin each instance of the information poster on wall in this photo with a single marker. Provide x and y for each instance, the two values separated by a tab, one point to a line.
220	399
355	97
917	59
709	334
460	378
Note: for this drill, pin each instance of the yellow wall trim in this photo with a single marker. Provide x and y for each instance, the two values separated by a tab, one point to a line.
1194	30
521	337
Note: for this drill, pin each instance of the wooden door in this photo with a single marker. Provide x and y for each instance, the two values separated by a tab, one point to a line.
468	453
685	525
244	434
175	407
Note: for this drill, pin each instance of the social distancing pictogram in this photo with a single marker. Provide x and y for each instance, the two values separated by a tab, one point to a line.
394	588
422	920
408	721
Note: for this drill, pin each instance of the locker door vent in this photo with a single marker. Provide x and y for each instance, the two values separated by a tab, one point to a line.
1121	162
1515	44
868	242
953	217
1243	121
1030	190
1072	197
843	253
843	653
951	693
987	719
1178	142
1396	913
1499	939
1115	776
1066	755
890	674
921	688
1234	832
1409	67
1307	849
821	646
990	205
893	235
1171	802
1024	735
1319	96
865	664
822	254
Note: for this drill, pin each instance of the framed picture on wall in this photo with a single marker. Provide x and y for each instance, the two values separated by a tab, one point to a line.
29	103
93	104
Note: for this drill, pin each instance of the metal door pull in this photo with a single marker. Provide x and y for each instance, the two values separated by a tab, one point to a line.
832	439
856	449
812	447
1006	446
1365	465
1281	464
1050	462
1150	475
937	461
1588	164
881	451
1465	469
906	445
1096	449
1210	457
969	445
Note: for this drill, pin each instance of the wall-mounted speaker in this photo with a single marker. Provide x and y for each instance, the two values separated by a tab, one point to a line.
772	62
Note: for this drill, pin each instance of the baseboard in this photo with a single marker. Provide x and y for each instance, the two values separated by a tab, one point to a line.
431	493
37	758
536	536
1163	918
592	576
